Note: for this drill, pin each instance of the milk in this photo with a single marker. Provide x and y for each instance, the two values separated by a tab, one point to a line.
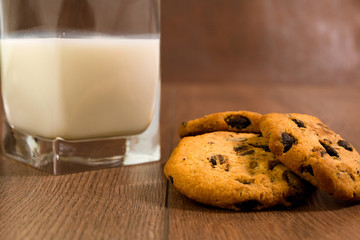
80	88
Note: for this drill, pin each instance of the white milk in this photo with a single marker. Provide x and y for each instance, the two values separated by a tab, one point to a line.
79	88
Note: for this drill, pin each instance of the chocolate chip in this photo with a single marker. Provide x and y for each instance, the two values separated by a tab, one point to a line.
247	153
248	205
246	181
288	141
273	164
221	159
218	159
240	148
345	144
329	150
213	161
299	123
290	178
237	121
171	179
253	165
307	169
184	124
264	147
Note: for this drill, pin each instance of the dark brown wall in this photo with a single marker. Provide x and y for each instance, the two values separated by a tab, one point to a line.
261	40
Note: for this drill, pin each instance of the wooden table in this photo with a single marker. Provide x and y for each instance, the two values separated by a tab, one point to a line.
137	202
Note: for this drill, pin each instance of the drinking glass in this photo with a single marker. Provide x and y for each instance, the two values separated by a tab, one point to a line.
80	83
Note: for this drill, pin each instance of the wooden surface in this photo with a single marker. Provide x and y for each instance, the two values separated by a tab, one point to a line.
136	202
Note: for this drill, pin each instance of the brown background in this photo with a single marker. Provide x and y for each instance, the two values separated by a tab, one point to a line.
259	40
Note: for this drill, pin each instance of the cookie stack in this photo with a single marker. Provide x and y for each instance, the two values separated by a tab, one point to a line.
245	161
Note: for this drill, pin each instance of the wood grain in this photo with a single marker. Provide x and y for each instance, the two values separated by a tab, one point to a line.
105	204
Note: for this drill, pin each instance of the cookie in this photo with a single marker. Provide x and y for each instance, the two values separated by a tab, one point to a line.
233	171
240	121
309	148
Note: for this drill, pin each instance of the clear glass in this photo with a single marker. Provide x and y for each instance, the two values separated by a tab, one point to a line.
80	83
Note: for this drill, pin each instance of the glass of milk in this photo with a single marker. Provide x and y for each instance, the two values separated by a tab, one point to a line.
80	83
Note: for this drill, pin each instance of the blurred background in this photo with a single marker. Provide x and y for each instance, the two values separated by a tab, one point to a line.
303	41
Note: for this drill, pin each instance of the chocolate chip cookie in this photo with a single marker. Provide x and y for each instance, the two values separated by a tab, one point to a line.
240	121
309	148
233	171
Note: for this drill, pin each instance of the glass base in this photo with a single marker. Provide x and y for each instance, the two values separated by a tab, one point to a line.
59	156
